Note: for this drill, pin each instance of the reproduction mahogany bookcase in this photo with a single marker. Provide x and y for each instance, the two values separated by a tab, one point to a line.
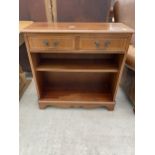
77	64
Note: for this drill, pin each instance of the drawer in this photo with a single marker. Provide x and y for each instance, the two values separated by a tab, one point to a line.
51	42
103	43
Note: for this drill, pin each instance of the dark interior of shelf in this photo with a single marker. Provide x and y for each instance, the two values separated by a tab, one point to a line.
60	86
74	62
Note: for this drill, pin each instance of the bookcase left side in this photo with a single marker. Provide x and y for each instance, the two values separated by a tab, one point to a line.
33	63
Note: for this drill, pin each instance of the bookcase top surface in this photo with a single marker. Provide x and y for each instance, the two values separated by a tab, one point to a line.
44	27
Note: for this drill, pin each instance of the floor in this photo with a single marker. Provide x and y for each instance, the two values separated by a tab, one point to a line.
56	131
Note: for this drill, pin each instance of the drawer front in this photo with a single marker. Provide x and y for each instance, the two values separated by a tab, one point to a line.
103	43
51	42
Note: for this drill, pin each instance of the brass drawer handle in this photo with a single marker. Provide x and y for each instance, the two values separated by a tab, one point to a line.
45	42
107	43
55	43
97	44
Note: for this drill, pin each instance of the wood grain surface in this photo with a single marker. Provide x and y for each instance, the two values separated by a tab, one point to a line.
45	27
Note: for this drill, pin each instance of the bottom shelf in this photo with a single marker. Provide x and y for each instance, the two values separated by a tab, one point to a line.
76	89
76	99
68	95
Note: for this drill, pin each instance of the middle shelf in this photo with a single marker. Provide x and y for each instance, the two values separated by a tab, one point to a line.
77	62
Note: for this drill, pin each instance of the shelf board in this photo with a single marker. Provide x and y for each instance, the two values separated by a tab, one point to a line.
73	96
71	65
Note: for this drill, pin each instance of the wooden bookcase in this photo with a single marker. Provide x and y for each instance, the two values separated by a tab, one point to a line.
77	64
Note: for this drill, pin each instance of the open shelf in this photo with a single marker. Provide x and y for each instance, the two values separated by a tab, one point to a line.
85	65
76	79
77	63
62	87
